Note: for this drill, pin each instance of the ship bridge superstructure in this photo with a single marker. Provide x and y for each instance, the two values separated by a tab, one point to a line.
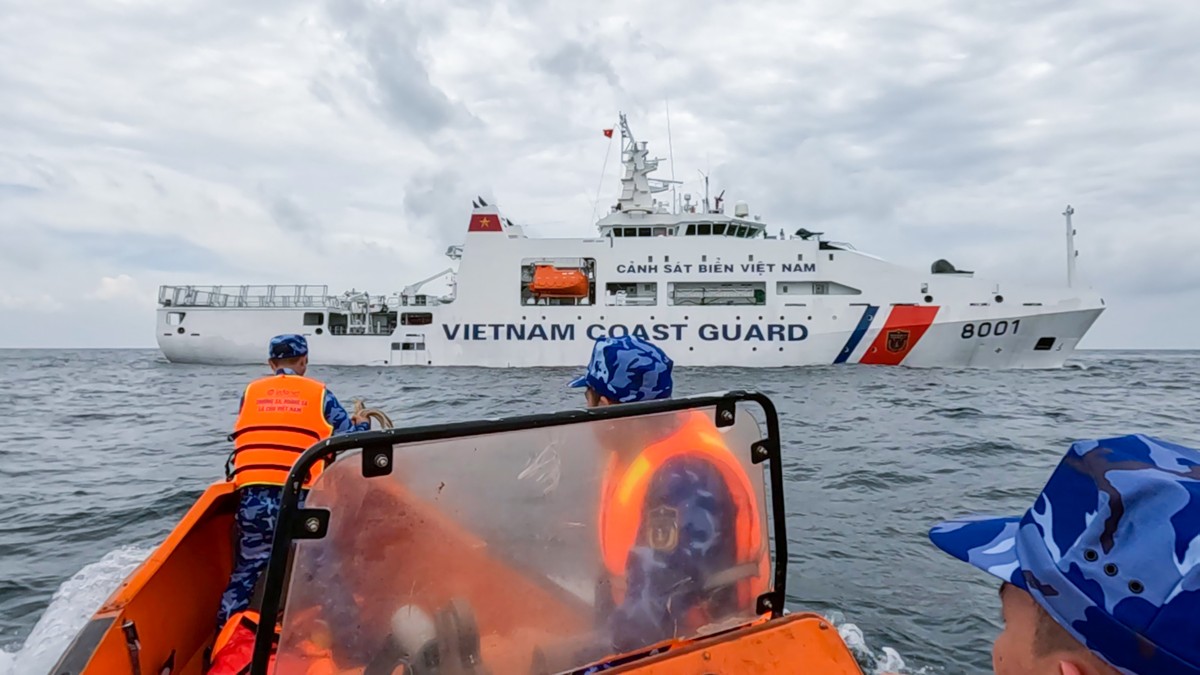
638	213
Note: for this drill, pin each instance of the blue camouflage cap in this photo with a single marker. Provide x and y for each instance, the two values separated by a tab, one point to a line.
626	369
1110	548
288	346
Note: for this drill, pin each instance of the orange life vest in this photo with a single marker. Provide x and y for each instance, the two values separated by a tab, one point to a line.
246	618
234	647
281	417
622	503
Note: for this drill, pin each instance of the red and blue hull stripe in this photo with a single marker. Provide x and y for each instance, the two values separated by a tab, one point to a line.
864	322
902	330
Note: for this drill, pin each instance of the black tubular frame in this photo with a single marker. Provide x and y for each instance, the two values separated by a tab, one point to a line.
296	523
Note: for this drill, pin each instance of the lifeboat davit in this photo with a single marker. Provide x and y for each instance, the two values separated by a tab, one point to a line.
553	282
429	551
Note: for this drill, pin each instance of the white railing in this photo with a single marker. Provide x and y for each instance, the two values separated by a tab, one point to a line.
247	296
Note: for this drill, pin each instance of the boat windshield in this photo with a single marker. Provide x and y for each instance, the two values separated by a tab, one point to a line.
490	551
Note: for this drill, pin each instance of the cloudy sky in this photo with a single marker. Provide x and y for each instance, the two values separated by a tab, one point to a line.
146	142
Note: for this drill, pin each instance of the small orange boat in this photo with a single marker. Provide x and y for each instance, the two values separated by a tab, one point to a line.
552	282
430	551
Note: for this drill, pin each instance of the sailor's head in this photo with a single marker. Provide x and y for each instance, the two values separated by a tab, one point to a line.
1102	573
625	369
288	351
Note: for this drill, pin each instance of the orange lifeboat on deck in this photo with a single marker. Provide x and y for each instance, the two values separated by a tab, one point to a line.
552	282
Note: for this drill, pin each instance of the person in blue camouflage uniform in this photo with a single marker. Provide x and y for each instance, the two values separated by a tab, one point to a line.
258	505
1108	557
663	585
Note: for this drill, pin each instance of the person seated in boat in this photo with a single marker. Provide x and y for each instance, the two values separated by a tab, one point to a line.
279	417
676	511
1101	575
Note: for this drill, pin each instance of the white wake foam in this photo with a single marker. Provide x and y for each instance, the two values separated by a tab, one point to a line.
885	661
70	608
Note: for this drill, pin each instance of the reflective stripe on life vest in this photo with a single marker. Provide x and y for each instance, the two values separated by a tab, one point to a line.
281	417
623	503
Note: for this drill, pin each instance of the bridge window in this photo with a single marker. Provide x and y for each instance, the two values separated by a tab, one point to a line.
718	228
175	318
704	229
314	318
691	230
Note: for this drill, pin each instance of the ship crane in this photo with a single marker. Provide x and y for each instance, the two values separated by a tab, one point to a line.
410	291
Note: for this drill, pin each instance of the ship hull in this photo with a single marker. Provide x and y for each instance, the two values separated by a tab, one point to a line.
757	337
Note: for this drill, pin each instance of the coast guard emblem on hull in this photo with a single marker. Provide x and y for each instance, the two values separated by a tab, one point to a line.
897	340
662	528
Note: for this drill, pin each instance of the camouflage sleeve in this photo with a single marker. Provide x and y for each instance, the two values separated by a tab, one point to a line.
686	535
339	419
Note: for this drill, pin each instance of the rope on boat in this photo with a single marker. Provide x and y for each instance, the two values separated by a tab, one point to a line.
376	414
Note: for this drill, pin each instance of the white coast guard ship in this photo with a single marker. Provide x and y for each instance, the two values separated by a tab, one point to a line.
713	289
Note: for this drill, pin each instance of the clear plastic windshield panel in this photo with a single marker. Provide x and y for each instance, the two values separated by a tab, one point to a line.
493	553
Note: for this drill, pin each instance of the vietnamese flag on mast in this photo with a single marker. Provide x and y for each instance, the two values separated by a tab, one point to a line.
608	133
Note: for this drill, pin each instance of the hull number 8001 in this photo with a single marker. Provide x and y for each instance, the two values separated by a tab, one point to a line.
987	328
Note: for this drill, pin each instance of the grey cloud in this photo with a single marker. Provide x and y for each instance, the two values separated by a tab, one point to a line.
154	183
17	190
387	38
137	252
322	92
291	217
442	202
25	247
572	60
29	174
